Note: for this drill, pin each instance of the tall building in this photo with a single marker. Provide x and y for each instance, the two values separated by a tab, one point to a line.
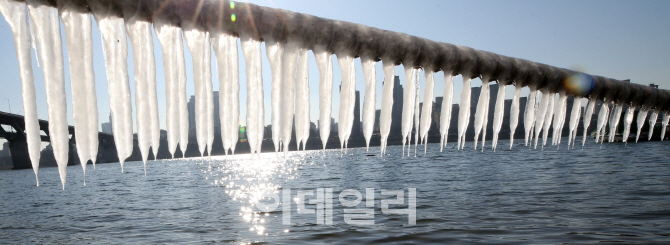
396	111
107	127
356	131
191	116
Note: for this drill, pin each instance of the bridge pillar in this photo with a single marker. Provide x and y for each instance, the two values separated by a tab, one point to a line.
19	150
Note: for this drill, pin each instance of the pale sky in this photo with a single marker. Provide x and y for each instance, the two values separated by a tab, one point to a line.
617	39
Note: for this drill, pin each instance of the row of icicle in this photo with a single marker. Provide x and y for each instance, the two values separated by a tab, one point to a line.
289	66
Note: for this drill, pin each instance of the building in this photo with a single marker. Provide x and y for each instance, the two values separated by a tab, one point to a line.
191	117
107	127
356	131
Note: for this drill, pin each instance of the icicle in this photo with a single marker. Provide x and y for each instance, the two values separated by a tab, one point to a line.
115	50
387	104
514	114
77	28
587	117
302	121
602	119
169	37
225	50
324	62
574	119
408	104
627	121
666	119
287	98
641	117
445	113
275	51
652	123
482	105
15	14
486	121
549	114
579	114
347	98
47	30
417	109
529	114
370	98
252	56
559	118
464	111
498	114
181	93
614	120
141	40
198	43
541	113
427	110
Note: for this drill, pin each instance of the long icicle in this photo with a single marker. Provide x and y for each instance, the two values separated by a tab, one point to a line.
141	40
652	123
416	109
666	119
225	50
602	120
302	121
287	101
548	116
464	111
408	105
445	112
641	118
480	112
541	113
181	93
370	98
529	115
514	114
498	114
614	120
627	122
198	43
255	113
387	104
559	116
324	62
47	29
427	110
588	114
347	98
274	51
574	119
115	53
77	28
169	37
15	14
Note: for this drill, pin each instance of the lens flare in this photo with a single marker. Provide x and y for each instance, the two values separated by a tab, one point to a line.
579	84
232	5
233	18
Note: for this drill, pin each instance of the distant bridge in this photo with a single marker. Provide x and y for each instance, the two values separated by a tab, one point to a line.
18	145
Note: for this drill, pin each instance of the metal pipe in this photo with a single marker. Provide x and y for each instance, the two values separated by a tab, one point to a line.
340	37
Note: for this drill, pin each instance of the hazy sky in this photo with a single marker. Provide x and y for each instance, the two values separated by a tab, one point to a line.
617	39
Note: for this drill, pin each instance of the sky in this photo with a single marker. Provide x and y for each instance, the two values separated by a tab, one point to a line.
617	39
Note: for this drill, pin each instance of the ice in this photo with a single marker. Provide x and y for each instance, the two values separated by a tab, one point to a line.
47	30
627	121
652	123
588	114
559	118
464	112
275	51
549	114
225	50
347	98
641	117
408	105
387	104
302	100
614	120
169	37
287	97
181	93
445	113
498	114
146	104
514	114
574	119
324	62
77	28
370	98
529	114
198	43
541	113
416	110
666	118
252	57
602	120
426	111
480	113
15	14
115	50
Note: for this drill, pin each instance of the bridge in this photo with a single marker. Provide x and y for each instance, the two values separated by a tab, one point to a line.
18	145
